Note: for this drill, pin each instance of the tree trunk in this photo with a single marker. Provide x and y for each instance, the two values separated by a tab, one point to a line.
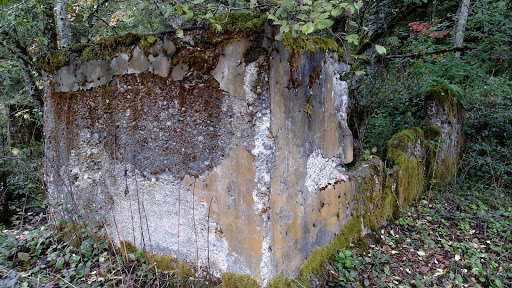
33	91
461	22
63	34
49	27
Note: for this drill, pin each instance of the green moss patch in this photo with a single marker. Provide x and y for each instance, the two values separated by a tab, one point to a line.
431	133
54	60
314	266
236	22
302	43
162	261
127	246
147	42
232	280
409	172
111	47
281	282
170	264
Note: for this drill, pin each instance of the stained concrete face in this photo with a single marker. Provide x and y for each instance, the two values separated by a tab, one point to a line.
203	167
239	169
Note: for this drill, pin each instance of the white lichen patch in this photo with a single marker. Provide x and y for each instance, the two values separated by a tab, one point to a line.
251	74
323	171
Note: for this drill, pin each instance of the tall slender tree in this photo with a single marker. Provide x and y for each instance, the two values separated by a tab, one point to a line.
460	24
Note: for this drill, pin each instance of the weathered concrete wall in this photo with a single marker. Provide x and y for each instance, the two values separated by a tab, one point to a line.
232	161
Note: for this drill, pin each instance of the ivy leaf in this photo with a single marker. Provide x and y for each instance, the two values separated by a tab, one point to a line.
308	28
272	17
168	11
15	151
323	16
179	32
285	28
359	73
318	5
380	49
189	15
302	17
25	257
294	33
282	11
60	263
337	11
352	38
358	5
282	31
352	23
321	24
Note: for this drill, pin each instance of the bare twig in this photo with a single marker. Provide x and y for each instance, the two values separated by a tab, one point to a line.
106	23
95	12
298	283
64	280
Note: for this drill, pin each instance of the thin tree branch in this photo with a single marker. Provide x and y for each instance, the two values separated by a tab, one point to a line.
418	55
94	12
106	23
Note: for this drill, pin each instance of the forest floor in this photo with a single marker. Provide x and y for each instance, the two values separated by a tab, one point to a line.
445	239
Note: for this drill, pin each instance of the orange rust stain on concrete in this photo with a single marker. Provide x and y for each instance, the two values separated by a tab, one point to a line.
231	184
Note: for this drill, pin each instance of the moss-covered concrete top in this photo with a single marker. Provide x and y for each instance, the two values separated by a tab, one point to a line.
224	29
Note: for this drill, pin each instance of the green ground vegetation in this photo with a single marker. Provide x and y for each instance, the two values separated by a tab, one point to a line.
450	238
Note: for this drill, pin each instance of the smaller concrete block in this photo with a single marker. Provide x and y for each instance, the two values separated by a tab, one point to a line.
64	80
161	65
348	149
230	70
139	62
120	64
179	71
96	72
168	48
155	49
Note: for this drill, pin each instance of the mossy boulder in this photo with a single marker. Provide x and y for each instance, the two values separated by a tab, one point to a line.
406	150
445	113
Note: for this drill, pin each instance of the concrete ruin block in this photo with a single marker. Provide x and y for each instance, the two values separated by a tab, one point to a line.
238	166
446	113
